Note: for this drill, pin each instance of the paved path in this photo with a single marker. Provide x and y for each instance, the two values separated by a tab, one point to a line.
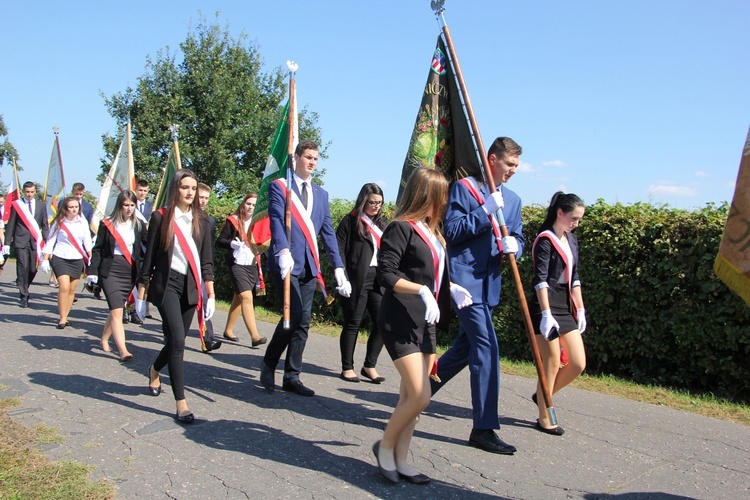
247	443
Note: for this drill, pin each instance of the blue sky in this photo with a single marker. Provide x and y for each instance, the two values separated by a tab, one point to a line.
628	101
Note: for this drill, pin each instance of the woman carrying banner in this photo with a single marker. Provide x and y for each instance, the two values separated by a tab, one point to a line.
178	260
115	259
358	235
69	248
413	270
244	268
557	307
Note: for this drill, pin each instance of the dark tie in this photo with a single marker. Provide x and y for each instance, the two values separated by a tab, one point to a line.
141	209
304	195
29	204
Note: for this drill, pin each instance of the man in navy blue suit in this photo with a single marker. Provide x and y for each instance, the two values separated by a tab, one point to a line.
143	206
475	252
311	217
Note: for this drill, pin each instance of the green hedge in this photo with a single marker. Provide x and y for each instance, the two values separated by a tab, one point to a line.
656	312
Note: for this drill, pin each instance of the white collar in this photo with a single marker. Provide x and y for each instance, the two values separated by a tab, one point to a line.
186	216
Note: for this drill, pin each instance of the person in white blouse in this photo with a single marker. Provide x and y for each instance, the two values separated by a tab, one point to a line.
115	263
69	248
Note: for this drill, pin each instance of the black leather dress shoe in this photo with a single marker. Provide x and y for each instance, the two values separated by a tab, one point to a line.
125	318
233	338
298	387
24	303
258	342
155	391
487	440
267	377
211	345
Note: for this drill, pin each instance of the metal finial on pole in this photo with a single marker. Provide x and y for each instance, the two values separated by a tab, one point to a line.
293	67
438	7
173	129
56	130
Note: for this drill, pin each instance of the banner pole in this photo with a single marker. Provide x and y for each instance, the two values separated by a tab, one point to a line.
286	311
439	9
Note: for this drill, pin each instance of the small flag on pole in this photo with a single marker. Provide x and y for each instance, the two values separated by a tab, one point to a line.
121	176
54	187
732	264
14	193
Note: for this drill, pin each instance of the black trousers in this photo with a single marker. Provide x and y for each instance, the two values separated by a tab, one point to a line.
295	338
354	312
177	315
25	269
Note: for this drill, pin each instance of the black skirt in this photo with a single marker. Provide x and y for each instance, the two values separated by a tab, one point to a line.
67	267
243	278
118	285
559	303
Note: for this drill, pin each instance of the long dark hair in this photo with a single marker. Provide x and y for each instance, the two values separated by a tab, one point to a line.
240	211
167	234
117	214
565	202
427	188
359	207
60	216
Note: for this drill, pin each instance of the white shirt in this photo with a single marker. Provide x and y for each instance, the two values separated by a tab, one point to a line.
59	245
125	229
566	248
29	205
185	222
298	180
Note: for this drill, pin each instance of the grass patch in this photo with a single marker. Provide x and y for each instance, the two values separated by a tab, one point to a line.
701	404
26	473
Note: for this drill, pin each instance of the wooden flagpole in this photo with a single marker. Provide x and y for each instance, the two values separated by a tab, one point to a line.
286	311
439	9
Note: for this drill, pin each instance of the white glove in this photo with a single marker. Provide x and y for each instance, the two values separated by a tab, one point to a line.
432	311
2	259
6	250
548	324
44	266
286	263
460	296
582	320
236	243
209	309
140	309
92	279
243	256
510	244
494	202
343	286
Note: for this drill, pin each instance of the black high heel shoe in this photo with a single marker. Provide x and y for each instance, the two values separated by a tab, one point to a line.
155	391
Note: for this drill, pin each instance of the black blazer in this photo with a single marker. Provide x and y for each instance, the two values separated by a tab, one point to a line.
104	250
157	262
403	254
549	265
356	251
16	231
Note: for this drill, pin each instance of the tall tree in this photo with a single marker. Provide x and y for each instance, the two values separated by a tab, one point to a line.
7	151
223	101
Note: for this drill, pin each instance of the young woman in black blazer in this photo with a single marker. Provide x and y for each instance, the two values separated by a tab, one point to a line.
557	306
413	269
243	269
170	271
114	265
358	235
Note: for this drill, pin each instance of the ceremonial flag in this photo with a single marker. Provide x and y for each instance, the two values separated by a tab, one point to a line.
732	264
121	176
276	166
173	165
54	186
442	136
14	193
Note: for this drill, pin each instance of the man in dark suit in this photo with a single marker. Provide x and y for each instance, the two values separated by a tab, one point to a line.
475	263
300	258
143	206
26	233
204	193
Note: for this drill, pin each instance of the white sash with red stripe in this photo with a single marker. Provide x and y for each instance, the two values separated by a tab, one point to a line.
375	231
437	250
568	265
193	257
31	225
74	241
308	230
469	184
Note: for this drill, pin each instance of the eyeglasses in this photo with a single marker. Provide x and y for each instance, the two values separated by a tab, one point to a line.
374	203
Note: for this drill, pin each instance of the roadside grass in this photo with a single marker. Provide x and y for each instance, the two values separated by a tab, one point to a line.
701	404
26	473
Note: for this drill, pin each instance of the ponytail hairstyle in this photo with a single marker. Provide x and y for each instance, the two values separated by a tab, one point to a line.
565	202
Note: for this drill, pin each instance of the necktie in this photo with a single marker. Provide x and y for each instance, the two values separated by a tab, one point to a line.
31	211
304	195
141	209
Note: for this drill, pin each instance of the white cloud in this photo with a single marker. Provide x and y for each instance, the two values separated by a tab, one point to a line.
554	163
701	173
525	167
668	190
382	184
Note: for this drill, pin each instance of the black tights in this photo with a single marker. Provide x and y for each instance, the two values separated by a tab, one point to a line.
177	315
354	312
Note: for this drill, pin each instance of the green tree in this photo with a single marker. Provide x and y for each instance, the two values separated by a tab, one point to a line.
7	151
224	103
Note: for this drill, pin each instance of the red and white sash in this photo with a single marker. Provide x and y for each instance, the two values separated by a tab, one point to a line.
473	191
193	257
438	253
74	241
568	265
260	284
308	230
375	231
31	225
125	253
